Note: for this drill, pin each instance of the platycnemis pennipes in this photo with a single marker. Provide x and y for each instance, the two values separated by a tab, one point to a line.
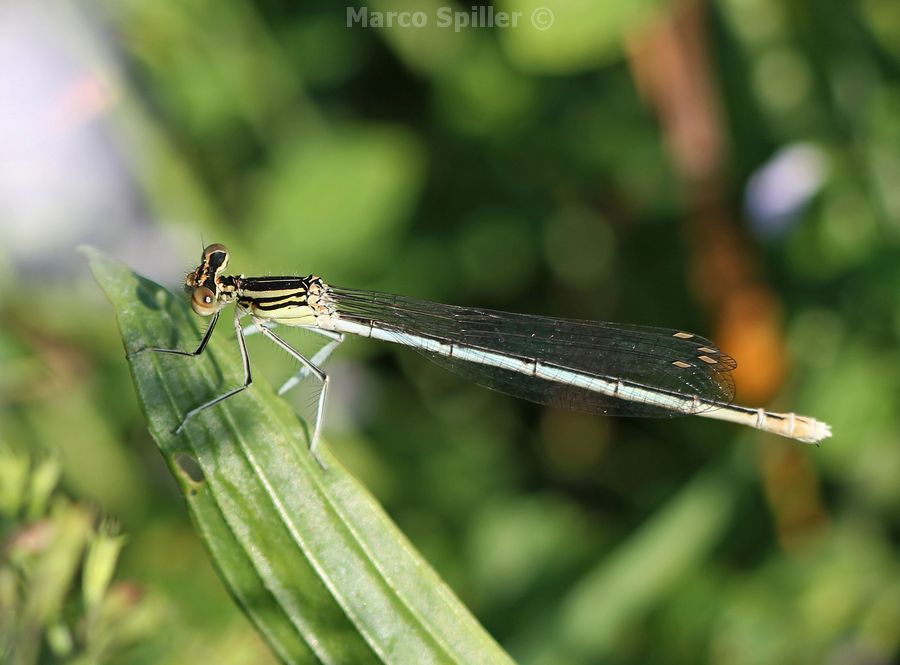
602	368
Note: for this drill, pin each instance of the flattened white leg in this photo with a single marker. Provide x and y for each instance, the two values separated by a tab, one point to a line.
319	374
318	359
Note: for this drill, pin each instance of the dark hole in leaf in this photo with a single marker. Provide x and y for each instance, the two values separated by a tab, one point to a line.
190	467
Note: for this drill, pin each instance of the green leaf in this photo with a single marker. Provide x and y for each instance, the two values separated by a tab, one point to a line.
308	554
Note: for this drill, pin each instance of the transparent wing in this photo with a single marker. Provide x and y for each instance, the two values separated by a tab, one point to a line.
670	361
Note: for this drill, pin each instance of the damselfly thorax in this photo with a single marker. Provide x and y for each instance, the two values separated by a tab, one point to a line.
597	367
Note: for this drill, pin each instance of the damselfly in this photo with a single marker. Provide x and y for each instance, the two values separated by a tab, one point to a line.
603	368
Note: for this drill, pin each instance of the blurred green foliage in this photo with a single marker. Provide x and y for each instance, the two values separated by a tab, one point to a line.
519	170
49	544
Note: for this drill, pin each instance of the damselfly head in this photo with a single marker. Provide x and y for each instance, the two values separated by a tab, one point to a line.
203	283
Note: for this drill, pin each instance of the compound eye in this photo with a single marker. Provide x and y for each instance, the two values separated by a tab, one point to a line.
212	249
203	301
215	258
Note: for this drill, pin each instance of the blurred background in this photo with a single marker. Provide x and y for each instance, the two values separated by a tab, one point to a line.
730	167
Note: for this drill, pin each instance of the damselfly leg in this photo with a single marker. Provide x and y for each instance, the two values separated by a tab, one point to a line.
179	352
245	360
318	358
318	373
307	367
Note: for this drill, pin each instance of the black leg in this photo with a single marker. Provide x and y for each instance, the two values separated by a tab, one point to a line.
178	352
245	358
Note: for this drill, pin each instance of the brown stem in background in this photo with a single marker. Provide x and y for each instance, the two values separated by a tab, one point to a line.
671	66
